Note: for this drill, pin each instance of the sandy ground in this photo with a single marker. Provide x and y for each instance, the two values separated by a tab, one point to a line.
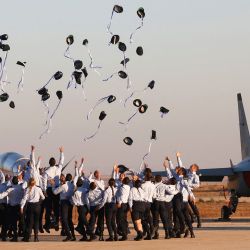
213	235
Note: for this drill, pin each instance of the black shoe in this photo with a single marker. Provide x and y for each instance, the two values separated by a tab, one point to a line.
56	226
167	236
110	239
156	236
36	239
172	234
116	237
73	238
14	239
186	233
67	239
192	234
84	239
199	224
63	233
4	239
92	237
46	228
41	230
123	238
148	237
139	236
178	235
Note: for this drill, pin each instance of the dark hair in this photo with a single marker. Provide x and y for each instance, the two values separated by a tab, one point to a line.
137	183
15	180
126	180
172	181
92	186
111	182
158	178
52	161
148	171
79	182
68	177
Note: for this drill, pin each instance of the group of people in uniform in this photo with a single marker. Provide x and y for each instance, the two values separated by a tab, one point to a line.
39	199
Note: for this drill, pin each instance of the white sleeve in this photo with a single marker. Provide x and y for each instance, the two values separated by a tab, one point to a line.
58	190
130	199
32	159
87	201
61	160
24	199
179	161
42	197
104	199
91	178
38	166
2	177
172	169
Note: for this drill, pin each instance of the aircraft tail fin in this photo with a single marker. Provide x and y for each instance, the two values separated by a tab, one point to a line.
244	132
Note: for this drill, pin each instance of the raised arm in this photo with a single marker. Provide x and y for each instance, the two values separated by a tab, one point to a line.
179	161
32	157
81	167
38	164
61	159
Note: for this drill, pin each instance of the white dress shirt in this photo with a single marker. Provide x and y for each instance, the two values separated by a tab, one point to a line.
94	197
79	197
66	191
136	194
15	194
99	183
123	194
3	188
109	196
149	189
54	173
32	195
164	192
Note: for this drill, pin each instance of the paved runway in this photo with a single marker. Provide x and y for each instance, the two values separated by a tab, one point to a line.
213	235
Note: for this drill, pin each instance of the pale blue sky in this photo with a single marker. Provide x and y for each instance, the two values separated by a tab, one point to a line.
197	52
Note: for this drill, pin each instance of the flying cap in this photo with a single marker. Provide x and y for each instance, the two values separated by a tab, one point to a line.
118	9
58	75
139	51
59	94
70	39
12	105
4	97
151	84
128	141
153	136
141	12
102	115
137	102
115	39
78	64
111	98
45	97
143	108
122	74
122	46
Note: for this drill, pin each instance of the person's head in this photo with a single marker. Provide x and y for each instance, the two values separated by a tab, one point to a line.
194	168
7	177
158	178
79	182
68	177
172	181
92	186
182	171
148	177
52	161
62	178
111	182
177	169
15	180
122	176
126	181
97	174
148	171
137	183
31	183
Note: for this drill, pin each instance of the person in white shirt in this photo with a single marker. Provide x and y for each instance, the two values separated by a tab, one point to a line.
97	179
94	198
122	204
31	199
79	200
53	172
162	206
15	194
136	202
66	191
149	188
109	204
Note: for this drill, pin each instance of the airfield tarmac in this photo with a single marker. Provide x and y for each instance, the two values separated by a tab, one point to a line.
213	235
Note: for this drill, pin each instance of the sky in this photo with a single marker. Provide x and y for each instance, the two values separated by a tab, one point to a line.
197	52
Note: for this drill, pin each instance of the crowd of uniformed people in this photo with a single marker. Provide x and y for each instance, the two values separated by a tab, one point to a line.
39	199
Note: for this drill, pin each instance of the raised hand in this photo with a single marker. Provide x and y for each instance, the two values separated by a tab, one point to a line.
61	149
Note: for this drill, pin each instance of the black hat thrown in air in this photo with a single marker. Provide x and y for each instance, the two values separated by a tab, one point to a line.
139	51
102	115
111	98
128	141
58	75
70	39
4	97
118	9
115	39
59	94
143	108
141	12
137	102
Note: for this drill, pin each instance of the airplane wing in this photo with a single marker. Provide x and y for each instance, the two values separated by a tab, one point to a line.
214	174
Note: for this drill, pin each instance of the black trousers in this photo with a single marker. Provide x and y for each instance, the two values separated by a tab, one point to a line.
121	219
186	214
147	220
32	218
82	219
66	218
110	216
3	220
162	210
194	209
96	215
179	219
12	218
41	213
52	203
